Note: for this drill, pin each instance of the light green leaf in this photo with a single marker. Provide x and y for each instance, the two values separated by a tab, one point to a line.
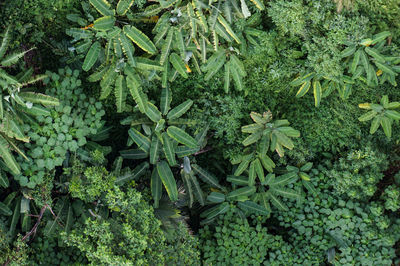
206	176
142	141
178	64
252	207
140	39
168	180
216	197
179	110
182	137
169	149
153	113
104	23
156	187
102	6
154	149
123	6
91	56
166	98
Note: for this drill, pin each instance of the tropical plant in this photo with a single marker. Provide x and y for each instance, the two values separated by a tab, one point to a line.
382	114
162	142
266	135
110	40
17	105
359	58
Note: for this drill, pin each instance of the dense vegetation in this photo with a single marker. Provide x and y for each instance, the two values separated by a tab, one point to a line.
217	132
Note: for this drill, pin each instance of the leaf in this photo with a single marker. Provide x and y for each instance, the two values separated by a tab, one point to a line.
135	89
156	187
283	139
277	203
166	46
228	28
104	23
7	157
178	64
259	169
34	97
227	77
387	126
4	182
169	149
216	197
206	177
140	140
154	149
102	6
238	180
367	116
180	42
252	174
153	113
5	210
375	54
285	192
252	128
241	192
380	37
123	6
128	49
317	92
355	62
148	64
348	51
197	188
134	154
182	137
236	78
24	205
140	39
13	58
120	95
179	110
188	187
375	124
215	211
306	167
259	4
5	42
91	56
392	114
285	179
303	89
252	138
168	180
242	167
136	173
252	207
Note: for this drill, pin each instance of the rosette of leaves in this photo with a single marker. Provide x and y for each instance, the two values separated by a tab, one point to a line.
371	60
322	86
164	140
382	114
64	129
205	35
18	106
266	135
109	42
391	197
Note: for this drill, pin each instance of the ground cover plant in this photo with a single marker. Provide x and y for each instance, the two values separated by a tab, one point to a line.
217	132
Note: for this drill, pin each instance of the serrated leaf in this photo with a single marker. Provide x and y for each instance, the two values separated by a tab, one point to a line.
375	124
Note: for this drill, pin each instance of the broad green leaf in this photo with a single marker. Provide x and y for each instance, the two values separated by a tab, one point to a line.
284	179
375	54
317	92
367	116
168	180
143	63
134	154
252	207
156	187
355	62
180	42
135	174
178	64
5	42
259	169
306	167
5	210
188	187
276	202
228	28
7	157
179	110
259	4
154	149
102	6
252	138
135	89
392	114
34	97
242	167
169	149
153	113
140	39
166	98
15	217
227	77
348	51
375	124
387	126
241	192
206	176
216	197
12	59
91	56
197	189
24	205
142	141
123	6
285	192
4	180
215	211
252	174
104	23
166	46
120	93
283	139
238	180
128	49
303	89
182	137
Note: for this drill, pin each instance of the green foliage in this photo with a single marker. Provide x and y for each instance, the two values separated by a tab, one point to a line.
382	115
64	129
358	173
391	196
233	240
131	235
